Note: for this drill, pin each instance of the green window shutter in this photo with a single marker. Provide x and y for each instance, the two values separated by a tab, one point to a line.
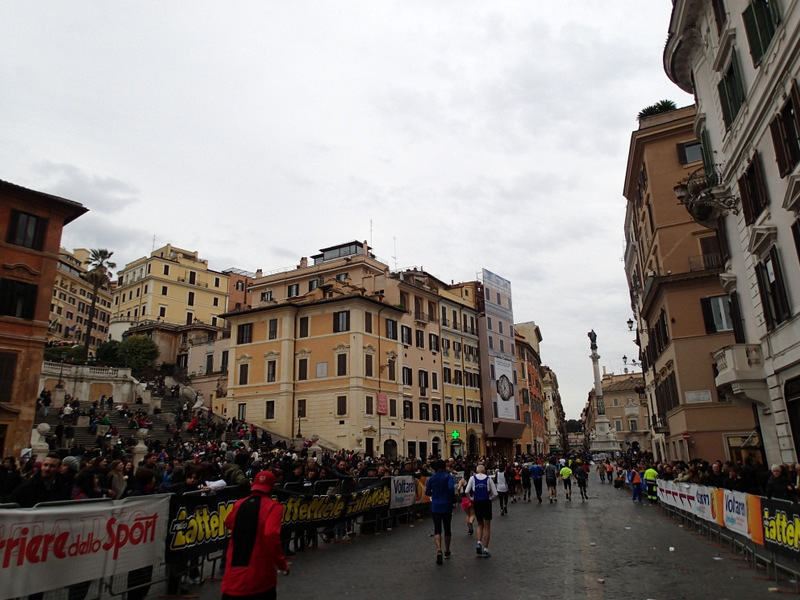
708	154
775	11
751	27
722	90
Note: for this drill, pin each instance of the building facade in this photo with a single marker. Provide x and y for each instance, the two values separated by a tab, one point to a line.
528	338
740	59
72	301
31	224
554	412
682	313
169	286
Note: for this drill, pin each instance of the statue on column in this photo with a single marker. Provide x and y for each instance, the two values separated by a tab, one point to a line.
593	338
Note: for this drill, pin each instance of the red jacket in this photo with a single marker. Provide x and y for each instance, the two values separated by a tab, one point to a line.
254	550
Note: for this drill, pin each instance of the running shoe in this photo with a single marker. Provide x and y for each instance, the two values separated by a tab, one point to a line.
486	553
479	549
439	558
447	555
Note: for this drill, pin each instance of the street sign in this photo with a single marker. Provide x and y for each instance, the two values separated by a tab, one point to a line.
687	436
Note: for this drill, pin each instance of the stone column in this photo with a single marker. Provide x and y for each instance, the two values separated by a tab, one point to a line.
605	438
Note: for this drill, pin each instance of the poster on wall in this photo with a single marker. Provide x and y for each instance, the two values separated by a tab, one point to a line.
504	389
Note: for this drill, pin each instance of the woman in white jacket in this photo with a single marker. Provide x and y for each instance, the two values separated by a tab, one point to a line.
502	488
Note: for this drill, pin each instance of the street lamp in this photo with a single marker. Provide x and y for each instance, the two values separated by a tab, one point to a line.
630	324
60	384
299	434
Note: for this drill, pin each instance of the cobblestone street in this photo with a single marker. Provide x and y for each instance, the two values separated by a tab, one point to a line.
606	548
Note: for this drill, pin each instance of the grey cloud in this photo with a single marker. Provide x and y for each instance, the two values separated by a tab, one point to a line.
101	194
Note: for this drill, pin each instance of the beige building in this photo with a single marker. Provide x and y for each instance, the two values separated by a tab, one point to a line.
554	411
461	369
682	313
72	301
170	286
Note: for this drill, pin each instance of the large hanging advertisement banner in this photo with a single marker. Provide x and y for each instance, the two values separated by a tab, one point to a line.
56	546
504	389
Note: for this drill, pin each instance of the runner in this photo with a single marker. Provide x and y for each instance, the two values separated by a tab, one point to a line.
481	490
566	479
466	503
537	473
550	476
440	487
582	477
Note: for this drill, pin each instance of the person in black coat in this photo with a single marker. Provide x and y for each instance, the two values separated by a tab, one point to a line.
778	485
44	486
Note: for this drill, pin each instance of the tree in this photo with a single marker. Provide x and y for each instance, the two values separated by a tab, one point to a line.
138	352
99	267
659	107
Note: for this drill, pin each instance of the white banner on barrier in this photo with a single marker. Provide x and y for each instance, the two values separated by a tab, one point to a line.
704	503
735	511
404	491
55	546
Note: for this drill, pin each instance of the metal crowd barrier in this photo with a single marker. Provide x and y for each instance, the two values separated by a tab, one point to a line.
163	580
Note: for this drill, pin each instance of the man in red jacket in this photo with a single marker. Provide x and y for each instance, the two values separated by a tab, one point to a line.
254	551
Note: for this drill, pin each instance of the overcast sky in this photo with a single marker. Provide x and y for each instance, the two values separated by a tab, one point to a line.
451	135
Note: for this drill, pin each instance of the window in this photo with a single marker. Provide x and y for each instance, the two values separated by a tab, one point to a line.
26	230
775	303
785	130
690	152
717	314
491	342
434	380
407	376
502	346
796	235
368	365
216	281
341	365
731	92
720	16
618	425
8	369
273	329
209	363
368	322
341	405
166	269
341	277
448	412
242	411
266	296
446	374
420	335
392	407
391	329
404	300
301	408
244	333
405	335
436	412
500	326
369	405
189	301
294	290
489	323
215	301
752	190
302	369
760	20
244	371
272	367
18	299
433	342
224	365
240	286
164	291
460	413
192	277
633	424
270	410
341	321
424	411
423	382
303	327
408	409
392	375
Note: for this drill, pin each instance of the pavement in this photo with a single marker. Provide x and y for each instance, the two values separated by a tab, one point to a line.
606	548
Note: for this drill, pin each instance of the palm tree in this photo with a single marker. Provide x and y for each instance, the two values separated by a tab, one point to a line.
661	106
99	267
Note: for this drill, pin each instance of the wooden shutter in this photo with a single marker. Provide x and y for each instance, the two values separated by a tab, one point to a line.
708	315
776	129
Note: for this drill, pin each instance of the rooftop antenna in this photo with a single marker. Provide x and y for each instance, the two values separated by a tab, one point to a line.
153	249
394	256
370	234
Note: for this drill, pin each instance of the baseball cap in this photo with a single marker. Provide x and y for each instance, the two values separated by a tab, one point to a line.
264	482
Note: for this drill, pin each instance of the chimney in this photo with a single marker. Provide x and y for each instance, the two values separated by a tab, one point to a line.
259	273
303	262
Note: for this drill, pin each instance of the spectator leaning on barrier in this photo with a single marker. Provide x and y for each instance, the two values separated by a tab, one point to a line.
778	485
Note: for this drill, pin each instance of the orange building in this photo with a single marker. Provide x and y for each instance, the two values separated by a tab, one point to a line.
31	224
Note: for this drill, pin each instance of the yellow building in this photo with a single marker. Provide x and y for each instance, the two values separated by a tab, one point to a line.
319	353
461	369
171	285
72	301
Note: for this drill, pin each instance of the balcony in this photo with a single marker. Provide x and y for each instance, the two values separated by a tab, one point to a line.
423	317
706	261
740	373
660	424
